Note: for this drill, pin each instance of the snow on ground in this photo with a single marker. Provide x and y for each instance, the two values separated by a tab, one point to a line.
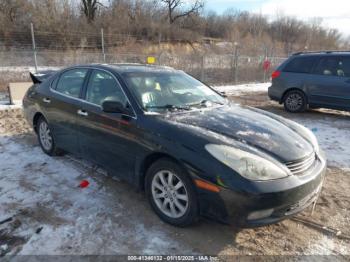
46	189
7	106
26	68
245	88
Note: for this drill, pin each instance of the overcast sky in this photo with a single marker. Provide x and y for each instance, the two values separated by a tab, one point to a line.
335	13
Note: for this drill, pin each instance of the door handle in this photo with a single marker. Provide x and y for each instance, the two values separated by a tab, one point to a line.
82	112
47	100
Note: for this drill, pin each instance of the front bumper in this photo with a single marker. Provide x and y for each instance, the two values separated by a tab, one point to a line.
272	202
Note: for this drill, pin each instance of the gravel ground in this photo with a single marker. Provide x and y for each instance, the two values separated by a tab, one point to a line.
50	214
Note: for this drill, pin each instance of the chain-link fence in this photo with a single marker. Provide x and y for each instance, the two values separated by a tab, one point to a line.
33	50
210	68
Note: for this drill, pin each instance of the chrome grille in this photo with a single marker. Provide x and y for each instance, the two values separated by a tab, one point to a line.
299	167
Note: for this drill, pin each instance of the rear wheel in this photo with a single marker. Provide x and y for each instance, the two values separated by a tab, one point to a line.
171	194
295	101
46	140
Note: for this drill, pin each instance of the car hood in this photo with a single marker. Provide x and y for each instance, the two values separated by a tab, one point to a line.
258	130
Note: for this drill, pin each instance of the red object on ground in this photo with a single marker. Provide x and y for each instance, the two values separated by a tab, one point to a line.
84	183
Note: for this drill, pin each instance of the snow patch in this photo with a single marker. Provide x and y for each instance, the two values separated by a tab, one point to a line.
333	138
99	219
7	107
245	88
26	68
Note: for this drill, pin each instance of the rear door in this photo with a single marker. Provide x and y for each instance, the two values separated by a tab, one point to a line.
62	107
331	85
108	139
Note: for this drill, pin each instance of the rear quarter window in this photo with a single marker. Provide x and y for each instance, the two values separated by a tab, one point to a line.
71	82
338	66
301	65
345	66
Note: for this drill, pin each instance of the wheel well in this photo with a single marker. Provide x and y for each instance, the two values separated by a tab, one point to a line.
148	161
36	119
293	89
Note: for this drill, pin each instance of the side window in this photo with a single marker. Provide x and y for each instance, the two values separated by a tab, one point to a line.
343	68
103	86
327	66
71	82
301	65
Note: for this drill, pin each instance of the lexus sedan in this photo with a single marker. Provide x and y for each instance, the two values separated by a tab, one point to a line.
192	151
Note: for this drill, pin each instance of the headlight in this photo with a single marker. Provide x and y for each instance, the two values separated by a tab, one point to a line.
246	164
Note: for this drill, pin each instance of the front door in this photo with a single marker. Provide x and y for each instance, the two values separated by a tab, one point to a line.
108	139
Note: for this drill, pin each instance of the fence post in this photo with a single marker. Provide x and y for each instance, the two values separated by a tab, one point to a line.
103	46
235	63
159	39
34	47
159	58
202	67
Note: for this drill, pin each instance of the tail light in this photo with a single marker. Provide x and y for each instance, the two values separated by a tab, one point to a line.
275	74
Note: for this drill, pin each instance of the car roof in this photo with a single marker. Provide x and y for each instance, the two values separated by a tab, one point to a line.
130	68
322	53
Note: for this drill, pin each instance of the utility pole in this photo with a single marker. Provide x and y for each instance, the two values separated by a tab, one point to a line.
103	46
34	47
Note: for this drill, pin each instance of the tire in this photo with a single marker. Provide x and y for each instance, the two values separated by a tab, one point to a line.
181	208
295	101
45	138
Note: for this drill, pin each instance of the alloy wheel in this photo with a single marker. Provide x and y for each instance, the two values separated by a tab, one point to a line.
45	136
294	102
170	194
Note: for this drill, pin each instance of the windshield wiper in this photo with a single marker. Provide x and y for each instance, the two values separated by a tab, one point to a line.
204	103
169	107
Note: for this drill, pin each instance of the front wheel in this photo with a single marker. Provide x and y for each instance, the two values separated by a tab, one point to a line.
295	101
171	194
46	140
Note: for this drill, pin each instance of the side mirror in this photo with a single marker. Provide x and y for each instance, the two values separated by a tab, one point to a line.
114	107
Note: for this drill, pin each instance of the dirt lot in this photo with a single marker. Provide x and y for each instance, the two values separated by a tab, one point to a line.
49	214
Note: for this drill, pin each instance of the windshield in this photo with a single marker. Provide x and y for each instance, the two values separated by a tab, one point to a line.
170	91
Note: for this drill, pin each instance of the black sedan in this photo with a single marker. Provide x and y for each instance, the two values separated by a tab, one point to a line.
191	150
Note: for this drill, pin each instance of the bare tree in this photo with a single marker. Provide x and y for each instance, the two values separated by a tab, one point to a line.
143	20
287	30
89	8
175	11
9	8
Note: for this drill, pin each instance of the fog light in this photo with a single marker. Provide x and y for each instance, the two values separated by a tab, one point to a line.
260	214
